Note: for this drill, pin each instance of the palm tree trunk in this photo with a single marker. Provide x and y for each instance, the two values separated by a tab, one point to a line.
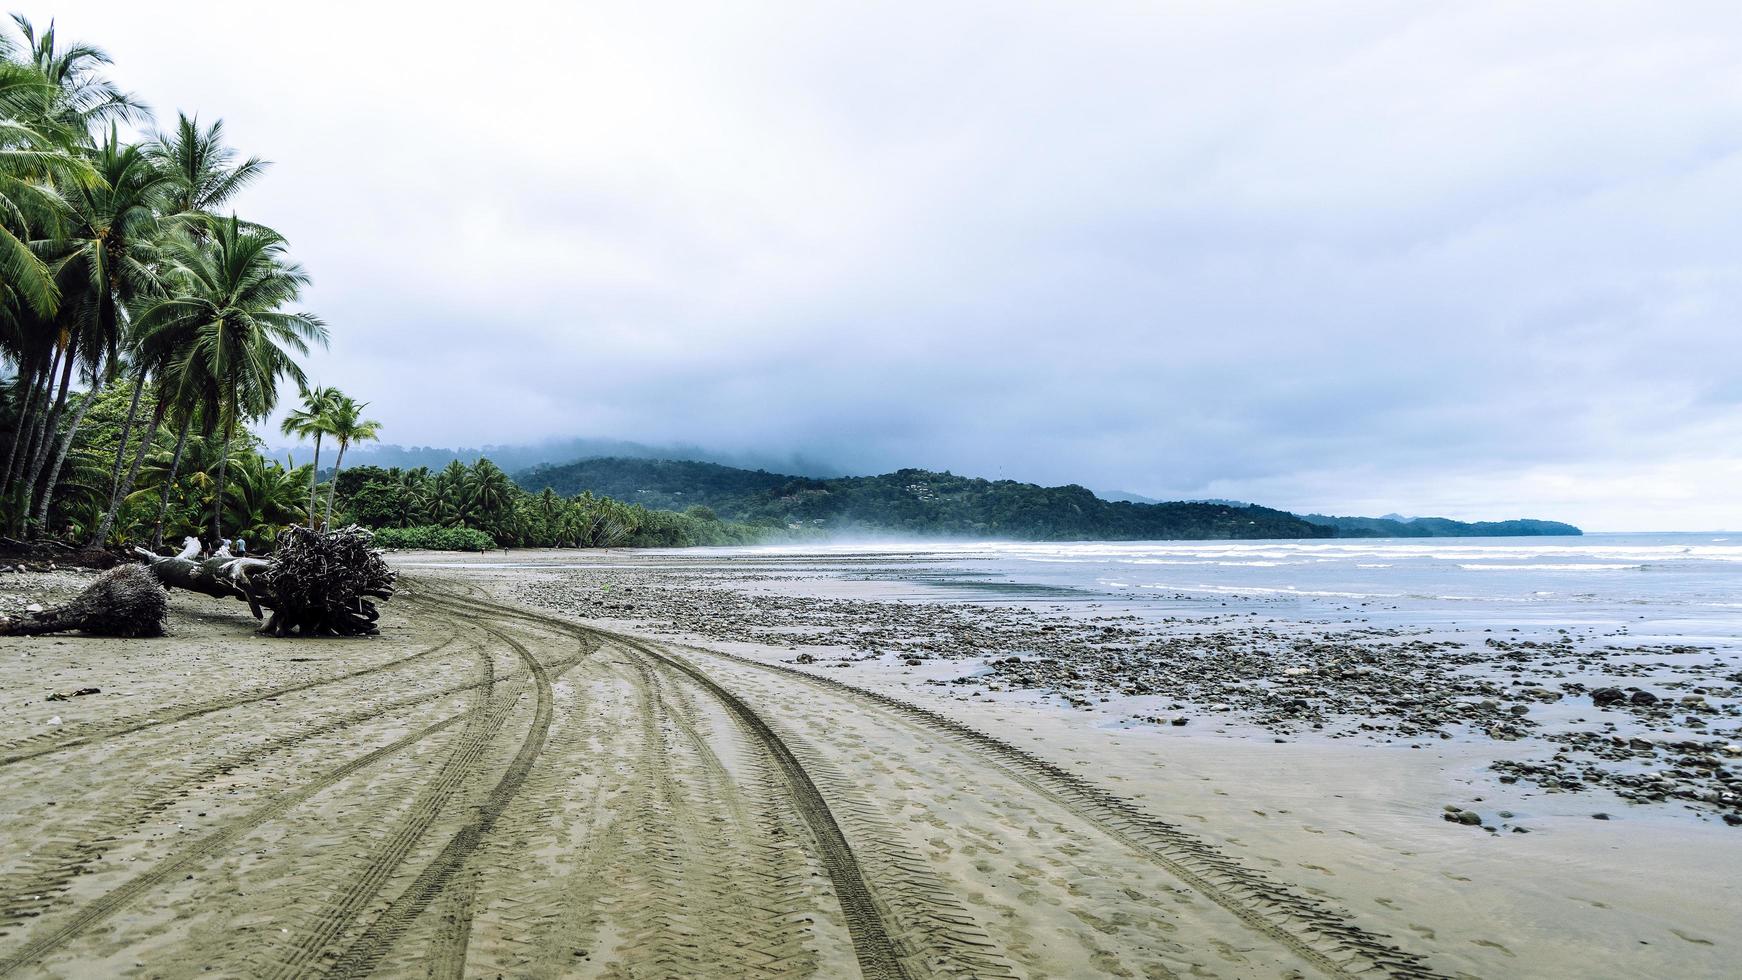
314	483
66	444
333	490
34	434
223	474
181	441
26	411
44	438
121	456
125	487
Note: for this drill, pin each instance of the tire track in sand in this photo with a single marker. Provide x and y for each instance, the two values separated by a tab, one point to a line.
1316	933
188	857
28	892
366	952
62	741
875	951
1312	930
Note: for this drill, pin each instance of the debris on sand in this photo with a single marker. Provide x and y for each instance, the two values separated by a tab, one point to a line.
124	601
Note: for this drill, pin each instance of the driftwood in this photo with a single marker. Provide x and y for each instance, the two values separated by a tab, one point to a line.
123	601
317	583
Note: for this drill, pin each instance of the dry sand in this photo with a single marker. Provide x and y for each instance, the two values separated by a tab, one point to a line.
493	790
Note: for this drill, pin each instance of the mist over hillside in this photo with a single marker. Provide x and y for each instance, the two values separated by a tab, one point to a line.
514	458
914	501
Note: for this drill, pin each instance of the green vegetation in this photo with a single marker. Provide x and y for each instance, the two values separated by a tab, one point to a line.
416	508
912	502
433	538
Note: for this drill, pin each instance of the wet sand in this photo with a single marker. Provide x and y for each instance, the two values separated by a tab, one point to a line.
522	777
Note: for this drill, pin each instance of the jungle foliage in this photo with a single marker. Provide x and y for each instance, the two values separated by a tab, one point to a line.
411	508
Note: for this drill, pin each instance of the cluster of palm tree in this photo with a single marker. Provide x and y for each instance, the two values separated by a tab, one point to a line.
118	270
329	412
484	498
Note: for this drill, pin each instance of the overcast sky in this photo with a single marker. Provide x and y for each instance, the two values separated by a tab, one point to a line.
1477	259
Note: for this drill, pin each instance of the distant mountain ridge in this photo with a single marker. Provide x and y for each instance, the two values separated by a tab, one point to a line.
909	502
923	502
1438	527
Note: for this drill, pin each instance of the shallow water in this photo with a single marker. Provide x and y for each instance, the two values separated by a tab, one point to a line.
1661	588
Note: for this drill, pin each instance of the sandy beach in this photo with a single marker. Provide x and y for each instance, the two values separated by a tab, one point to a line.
599	765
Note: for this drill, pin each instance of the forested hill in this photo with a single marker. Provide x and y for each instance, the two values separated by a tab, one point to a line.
911	502
1438	527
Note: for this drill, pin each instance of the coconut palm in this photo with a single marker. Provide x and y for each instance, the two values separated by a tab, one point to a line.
313	419
27	200
52	98
345	423
203	172
81	100
447	503
489	499
231	290
104	263
199	174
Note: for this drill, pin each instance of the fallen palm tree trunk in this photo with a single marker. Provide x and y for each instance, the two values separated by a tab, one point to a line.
123	601
317	583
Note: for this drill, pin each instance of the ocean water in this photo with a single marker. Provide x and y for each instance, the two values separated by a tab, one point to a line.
1663	588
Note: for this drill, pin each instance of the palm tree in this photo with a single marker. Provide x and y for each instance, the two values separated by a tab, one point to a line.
447	503
27	200
199	174
346	424
51	101
105	262
81	101
312	419
231	290
203	172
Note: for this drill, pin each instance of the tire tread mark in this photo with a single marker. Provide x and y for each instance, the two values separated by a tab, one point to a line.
186	857
1315	932
367	950
176	714
483	722
872	944
1256	900
60	867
